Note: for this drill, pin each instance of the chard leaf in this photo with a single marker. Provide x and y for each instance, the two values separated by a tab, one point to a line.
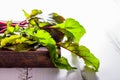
84	53
15	39
63	64
8	40
72	29
45	39
9	23
89	58
19	47
43	24
1	37
17	43
57	18
10	29
17	27
29	31
35	12
26	14
34	21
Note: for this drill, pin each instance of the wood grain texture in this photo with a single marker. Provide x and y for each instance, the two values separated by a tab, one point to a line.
39	58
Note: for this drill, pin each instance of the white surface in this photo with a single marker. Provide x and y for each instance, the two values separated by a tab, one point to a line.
101	18
38	74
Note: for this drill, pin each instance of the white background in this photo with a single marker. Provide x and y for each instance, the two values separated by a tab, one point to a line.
101	19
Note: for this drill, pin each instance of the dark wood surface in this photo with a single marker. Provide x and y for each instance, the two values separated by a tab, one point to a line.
39	58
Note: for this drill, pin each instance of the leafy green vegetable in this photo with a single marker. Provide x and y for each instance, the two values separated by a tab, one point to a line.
19	47
63	64
9	40
44	38
43	24
10	29
57	18
34	12
39	32
26	14
89	58
84	53
72	29
17	27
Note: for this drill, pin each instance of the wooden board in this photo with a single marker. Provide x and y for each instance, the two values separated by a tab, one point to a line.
39	58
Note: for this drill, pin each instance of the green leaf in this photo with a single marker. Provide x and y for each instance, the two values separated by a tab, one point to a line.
8	40
17	27
63	64
1	37
39	31
29	31
43	24
19	47
45	37
89	58
32	22
15	39
26	14
57	18
17	43
72	29
46	40
10	29
9	23
84	53
35	12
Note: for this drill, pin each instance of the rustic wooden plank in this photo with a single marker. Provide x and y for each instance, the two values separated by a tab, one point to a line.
38	58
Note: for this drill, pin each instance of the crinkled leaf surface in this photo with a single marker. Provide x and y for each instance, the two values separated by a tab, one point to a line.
20	39
89	58
43	24
72	29
8	40
45	39
63	64
34	12
10	29
19	47
17	27
16	43
84	53
57	18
